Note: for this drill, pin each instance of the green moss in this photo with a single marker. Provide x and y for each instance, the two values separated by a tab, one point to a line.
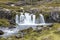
4	22
8	0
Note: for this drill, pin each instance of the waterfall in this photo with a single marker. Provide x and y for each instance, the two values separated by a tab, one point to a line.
21	18
17	19
29	19
33	19
42	19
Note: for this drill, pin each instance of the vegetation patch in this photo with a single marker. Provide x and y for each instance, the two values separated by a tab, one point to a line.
4	22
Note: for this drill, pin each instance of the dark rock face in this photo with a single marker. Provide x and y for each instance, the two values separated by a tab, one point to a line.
55	16
12	21
1	32
7	14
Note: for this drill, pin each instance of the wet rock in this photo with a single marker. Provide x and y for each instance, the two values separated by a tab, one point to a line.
1	32
39	29
11	27
51	25
12	21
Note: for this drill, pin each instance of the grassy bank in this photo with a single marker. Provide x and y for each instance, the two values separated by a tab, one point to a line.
51	34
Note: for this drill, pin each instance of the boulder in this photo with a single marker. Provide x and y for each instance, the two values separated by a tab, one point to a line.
5	13
1	32
12	21
11	27
55	16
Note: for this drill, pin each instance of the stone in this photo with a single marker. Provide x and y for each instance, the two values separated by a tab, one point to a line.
9	3
1	32
20	3
55	16
11	27
12	21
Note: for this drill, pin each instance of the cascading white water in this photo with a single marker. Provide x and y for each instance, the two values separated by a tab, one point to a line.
33	19
16	19
21	18
25	19
42	19
29	19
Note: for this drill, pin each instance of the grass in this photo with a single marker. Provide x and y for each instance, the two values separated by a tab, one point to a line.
43	7
4	22
8	0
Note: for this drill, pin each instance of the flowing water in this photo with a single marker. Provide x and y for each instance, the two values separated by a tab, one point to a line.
23	22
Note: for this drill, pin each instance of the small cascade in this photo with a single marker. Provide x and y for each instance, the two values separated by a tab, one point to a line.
21	18
17	19
42	19
25	19
33	19
29	19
